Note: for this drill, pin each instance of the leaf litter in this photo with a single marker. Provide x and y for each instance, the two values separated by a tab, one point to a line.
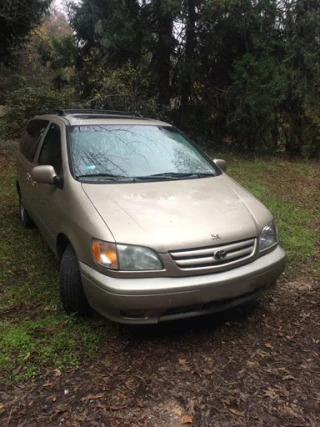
256	365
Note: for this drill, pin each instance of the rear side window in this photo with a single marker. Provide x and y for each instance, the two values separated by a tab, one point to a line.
30	140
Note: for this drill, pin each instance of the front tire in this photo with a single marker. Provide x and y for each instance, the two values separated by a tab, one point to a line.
25	219
72	295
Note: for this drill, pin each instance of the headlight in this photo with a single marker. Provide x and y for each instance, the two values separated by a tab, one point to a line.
137	258
125	257
105	254
268	236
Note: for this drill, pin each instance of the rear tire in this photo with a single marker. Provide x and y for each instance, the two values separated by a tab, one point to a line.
72	295
25	219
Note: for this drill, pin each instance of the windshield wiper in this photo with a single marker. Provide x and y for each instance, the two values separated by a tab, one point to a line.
204	174
106	176
155	177
173	175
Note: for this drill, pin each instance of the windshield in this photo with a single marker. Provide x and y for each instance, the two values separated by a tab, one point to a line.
133	153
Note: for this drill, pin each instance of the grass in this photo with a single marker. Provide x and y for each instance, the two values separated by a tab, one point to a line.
290	190
34	331
36	335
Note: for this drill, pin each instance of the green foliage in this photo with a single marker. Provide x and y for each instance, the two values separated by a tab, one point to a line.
300	68
35	85
47	340
253	98
59	54
26	102
128	89
238	73
34	331
17	19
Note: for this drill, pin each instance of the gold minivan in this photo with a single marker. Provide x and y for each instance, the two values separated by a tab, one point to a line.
147	227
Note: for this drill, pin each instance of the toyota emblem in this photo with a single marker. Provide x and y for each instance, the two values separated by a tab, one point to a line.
220	255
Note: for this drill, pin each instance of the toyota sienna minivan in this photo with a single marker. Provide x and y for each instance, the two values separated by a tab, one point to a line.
147	227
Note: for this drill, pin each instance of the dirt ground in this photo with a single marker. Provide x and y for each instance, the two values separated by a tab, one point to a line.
257	365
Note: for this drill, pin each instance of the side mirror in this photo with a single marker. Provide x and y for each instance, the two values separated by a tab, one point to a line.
46	175
222	164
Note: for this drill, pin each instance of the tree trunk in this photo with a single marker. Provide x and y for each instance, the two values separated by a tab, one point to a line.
164	62
188	67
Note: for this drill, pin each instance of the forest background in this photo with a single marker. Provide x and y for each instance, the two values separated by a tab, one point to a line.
233	74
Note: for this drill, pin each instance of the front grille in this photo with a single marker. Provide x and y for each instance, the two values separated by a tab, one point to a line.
214	257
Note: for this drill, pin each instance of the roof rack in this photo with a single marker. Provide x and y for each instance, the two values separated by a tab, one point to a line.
96	112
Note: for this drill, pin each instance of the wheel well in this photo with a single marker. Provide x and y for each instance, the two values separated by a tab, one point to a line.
62	243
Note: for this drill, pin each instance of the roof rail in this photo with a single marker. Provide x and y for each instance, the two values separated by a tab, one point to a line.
88	111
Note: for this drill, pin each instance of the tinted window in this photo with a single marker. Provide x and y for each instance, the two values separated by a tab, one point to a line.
31	138
51	149
134	151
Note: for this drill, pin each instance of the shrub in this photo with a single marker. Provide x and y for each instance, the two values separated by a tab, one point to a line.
26	102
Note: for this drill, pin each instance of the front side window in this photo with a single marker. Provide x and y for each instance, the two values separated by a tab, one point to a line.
51	149
135	152
31	138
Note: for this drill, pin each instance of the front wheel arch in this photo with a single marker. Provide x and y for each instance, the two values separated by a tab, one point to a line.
61	244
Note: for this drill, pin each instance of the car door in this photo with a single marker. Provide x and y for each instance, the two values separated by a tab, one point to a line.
48	199
26	159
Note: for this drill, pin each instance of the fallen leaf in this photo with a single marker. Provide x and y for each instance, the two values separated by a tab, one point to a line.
186	419
140	404
190	406
262	353
252	363
92	397
235	412
79	417
50	308
177	411
182	362
288	377
244	397
62	407
57	372
17	370
271	393
268	345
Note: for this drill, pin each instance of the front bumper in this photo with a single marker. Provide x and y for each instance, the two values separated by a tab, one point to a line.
151	300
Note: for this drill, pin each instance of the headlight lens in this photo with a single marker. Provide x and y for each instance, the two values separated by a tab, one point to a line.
125	257
138	258
268	236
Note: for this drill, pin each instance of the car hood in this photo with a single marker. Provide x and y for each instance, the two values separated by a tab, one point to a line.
170	215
